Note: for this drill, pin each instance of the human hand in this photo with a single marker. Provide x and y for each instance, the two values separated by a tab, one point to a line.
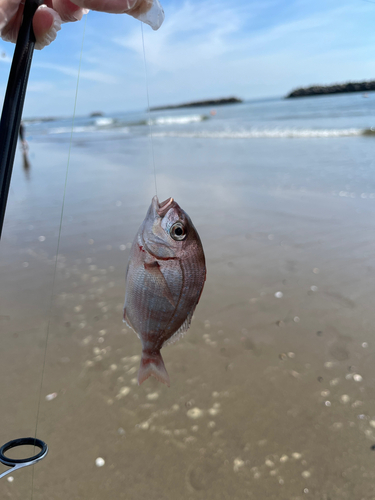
49	16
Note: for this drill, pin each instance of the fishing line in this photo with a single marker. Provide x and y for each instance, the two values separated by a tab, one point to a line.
58	248
148	110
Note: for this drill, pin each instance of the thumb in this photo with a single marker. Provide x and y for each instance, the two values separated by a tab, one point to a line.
46	24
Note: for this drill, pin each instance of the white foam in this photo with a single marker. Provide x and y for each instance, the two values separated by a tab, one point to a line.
179	120
264	133
68	130
89	128
104	122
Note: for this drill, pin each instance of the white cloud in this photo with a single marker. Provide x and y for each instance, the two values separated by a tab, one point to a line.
213	49
94	76
189	34
205	49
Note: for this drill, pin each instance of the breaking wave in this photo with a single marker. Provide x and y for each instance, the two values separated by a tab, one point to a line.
104	122
66	130
178	120
107	124
86	129
268	133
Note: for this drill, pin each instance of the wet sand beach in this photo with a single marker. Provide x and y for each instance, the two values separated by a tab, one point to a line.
272	389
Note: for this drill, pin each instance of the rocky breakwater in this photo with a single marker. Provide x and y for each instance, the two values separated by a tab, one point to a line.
341	88
197	104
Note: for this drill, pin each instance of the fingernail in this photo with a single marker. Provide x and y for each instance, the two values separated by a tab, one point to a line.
78	14
153	17
51	34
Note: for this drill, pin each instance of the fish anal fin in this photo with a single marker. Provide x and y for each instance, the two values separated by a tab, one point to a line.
152	364
181	331
125	319
154	269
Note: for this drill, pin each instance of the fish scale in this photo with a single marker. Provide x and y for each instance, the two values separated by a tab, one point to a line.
164	282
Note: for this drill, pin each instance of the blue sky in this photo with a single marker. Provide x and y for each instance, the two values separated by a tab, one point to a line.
204	49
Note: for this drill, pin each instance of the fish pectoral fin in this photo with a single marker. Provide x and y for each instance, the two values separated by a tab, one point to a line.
154	269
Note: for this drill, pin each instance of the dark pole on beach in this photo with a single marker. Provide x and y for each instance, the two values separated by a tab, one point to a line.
14	100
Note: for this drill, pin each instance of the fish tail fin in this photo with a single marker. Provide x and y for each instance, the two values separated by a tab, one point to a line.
152	364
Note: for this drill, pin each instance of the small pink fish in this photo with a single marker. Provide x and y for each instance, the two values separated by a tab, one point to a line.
164	282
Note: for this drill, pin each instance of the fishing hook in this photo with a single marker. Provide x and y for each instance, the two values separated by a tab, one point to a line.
16	464
14	100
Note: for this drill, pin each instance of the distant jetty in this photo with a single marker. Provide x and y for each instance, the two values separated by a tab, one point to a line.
341	88
199	104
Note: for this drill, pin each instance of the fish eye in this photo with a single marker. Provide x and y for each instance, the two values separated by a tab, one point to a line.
178	231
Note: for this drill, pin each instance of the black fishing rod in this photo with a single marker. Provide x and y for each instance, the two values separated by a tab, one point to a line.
14	100
9	129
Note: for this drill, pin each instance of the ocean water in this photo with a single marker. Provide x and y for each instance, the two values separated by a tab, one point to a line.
272	388
339	129
342	115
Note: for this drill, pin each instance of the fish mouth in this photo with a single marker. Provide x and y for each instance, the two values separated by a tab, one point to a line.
164	206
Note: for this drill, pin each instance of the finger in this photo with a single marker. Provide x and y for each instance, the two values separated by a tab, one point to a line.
111	6
8	9
147	11
46	24
153	15
10	30
69	11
